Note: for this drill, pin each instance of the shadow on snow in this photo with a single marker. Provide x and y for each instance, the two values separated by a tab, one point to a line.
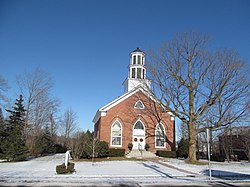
227	175
157	169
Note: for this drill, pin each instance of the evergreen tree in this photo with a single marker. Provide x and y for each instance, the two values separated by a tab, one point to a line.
2	131
48	144
43	143
14	148
182	150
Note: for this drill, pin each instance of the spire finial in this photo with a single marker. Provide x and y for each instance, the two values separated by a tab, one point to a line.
137	50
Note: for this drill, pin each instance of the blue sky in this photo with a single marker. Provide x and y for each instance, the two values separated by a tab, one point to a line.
85	45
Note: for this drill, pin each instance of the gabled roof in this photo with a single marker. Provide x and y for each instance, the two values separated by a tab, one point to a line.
102	111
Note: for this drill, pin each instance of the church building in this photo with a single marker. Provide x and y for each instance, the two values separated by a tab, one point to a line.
136	117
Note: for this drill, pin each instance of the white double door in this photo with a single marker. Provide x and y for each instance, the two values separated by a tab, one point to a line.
138	139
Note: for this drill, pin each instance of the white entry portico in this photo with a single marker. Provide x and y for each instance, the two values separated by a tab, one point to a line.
139	136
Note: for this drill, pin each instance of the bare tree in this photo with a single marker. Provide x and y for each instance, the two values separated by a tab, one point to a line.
68	125
77	145
183	130
200	87
3	88
40	106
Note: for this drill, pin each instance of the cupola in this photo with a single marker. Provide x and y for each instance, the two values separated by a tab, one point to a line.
137	71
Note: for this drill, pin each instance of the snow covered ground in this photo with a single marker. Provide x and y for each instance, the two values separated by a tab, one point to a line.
225	170
41	171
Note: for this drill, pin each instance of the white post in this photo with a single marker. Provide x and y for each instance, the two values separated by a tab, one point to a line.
208	153
67	158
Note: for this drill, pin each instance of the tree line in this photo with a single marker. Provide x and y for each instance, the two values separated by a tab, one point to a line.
34	122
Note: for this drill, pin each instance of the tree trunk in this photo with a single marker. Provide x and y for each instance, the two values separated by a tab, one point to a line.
192	143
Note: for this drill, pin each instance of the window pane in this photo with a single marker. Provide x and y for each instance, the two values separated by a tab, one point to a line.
138	125
143	74
139	59
139	73
116	132
139	105
133	72
116	129
134	59
159	133
160	136
159	143
117	126
116	141
160	128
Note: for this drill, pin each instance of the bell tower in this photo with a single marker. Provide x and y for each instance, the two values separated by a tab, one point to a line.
137	71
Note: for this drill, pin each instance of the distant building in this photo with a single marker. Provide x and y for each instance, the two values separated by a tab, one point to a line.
136	117
234	143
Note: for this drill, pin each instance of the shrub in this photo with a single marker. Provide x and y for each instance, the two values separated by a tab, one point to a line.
147	146
60	148
182	150
102	149
217	158
61	169
116	152
130	146
167	154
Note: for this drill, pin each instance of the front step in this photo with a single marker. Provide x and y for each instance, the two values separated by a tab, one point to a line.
140	154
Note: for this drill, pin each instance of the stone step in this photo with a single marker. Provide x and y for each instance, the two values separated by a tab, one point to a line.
140	154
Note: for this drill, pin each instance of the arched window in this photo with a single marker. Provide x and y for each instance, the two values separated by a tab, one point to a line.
116	134
139	105
160	138
139	125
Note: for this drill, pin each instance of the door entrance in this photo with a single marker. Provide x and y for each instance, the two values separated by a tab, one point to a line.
138	136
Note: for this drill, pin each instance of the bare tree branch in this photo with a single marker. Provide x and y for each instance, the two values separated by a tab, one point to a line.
200	87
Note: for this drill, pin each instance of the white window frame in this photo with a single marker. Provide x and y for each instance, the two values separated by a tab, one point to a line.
164	133
111	135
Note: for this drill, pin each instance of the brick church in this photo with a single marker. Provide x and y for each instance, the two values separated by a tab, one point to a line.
136	117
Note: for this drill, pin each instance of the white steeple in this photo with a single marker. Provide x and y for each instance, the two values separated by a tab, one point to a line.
137	71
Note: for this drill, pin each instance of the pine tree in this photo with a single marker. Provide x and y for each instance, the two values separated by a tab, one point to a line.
182	150
2	131
48	144
14	148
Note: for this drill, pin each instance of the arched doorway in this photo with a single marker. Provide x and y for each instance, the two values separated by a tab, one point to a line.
138	136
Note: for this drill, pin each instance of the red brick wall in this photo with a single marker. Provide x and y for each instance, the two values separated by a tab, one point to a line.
128	115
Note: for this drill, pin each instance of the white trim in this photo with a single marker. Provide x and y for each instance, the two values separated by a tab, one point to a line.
111	145
102	111
172	116
164	133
